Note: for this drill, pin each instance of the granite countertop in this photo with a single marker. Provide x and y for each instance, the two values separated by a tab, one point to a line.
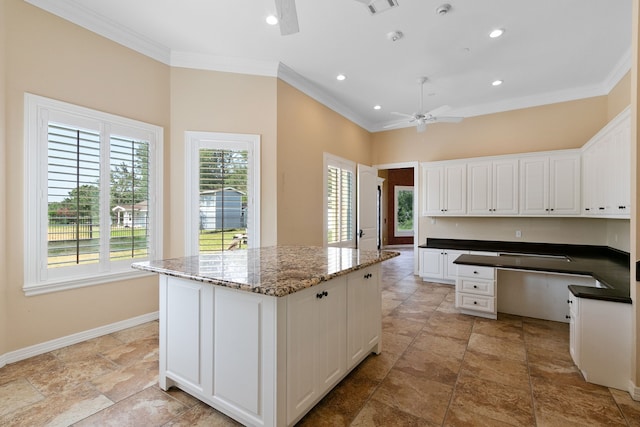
275	271
609	266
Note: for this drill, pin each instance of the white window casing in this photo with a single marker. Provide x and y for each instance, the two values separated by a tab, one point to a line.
195	142
47	154
339	201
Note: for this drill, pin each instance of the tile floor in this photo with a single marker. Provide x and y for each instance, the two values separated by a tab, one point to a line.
438	367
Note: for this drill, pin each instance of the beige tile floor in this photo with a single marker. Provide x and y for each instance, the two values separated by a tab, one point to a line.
438	367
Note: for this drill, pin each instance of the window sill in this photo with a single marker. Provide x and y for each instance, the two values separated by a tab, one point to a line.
81	282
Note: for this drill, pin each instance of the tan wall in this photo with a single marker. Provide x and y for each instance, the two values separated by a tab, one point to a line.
549	127
620	97
3	204
307	129
63	61
214	101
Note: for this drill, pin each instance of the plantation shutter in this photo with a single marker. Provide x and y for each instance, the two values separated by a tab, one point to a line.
73	196
129	198
223	192
340	204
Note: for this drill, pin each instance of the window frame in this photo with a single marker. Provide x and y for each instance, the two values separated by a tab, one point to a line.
194	141
396	190
342	164
38	279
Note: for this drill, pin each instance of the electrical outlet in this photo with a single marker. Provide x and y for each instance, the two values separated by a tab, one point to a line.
518	233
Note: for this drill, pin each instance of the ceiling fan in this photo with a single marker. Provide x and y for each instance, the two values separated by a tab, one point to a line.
421	119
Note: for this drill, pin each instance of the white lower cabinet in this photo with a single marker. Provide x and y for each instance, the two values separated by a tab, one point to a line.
316	343
476	291
364	314
263	360
600	340
437	264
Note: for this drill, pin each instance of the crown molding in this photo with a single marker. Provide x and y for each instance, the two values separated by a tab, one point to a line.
618	72
202	61
309	88
75	12
532	100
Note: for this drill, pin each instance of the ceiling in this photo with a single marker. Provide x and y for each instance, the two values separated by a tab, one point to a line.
551	51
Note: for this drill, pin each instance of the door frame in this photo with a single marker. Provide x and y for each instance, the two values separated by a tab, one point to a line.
416	198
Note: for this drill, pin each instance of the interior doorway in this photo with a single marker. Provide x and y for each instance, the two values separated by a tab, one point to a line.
397	207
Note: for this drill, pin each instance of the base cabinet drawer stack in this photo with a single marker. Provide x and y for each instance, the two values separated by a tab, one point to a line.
476	291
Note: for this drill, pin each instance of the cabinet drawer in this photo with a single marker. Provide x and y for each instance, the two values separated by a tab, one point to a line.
476	302
476	272
479	287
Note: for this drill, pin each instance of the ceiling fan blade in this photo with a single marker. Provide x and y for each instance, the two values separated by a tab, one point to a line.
448	119
439	110
409	116
395	125
287	16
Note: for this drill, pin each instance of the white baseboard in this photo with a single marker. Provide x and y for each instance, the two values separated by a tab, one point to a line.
634	391
45	347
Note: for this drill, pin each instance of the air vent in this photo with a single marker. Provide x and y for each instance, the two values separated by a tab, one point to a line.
377	6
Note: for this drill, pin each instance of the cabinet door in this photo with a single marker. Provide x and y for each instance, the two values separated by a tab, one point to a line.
183	304
574	330
479	186
302	333
433	183
331	344
364	313
455	192
564	185
505	187
589	167
620	164
534	186
316	343
451	269
431	263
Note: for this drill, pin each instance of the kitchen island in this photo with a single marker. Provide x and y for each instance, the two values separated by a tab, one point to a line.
263	334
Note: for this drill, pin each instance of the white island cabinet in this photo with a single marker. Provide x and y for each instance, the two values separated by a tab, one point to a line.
262	335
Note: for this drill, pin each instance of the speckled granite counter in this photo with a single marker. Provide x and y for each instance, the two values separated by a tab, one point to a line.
275	271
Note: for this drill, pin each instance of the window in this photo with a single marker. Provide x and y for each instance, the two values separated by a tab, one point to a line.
403	211
339	201
93	195
222	195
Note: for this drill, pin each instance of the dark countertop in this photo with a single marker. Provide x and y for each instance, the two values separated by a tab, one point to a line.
607	265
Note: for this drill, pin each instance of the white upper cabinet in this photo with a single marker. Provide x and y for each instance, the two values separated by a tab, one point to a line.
592	181
564	184
445	189
606	176
492	187
550	185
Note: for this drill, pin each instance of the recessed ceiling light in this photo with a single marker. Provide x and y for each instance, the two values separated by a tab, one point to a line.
496	33
272	20
377	107
341	77
497	82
